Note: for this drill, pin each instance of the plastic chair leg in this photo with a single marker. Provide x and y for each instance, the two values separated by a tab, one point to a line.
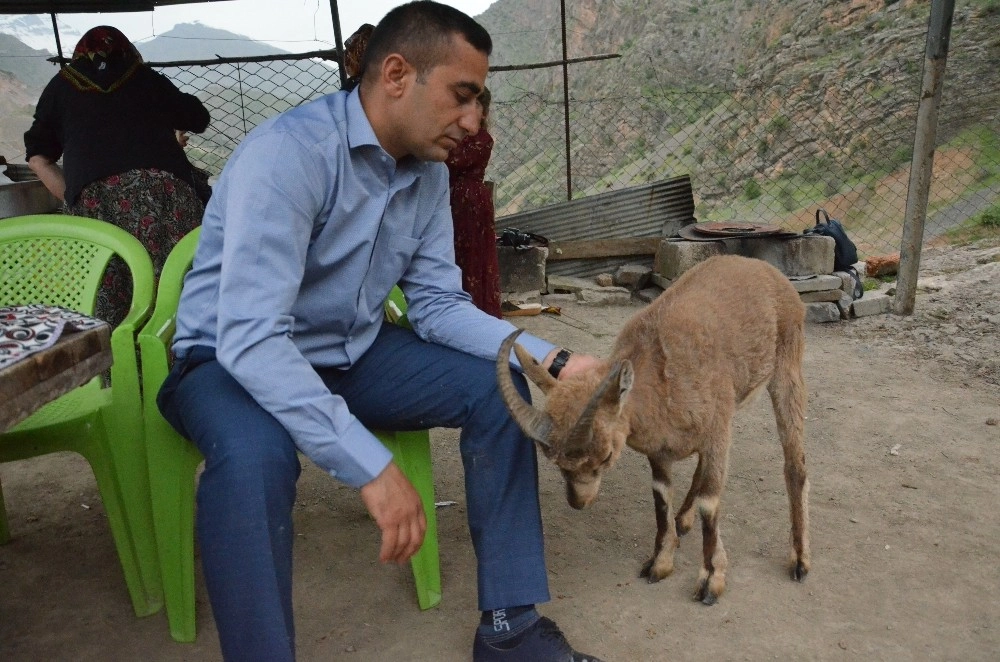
132	529
412	452
172	481
124	494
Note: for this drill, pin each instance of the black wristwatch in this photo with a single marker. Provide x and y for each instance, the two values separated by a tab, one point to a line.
559	362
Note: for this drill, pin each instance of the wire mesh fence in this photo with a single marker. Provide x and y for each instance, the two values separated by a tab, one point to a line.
241	93
764	153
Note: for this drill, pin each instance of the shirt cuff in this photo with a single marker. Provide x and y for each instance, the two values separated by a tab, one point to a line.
537	347
356	459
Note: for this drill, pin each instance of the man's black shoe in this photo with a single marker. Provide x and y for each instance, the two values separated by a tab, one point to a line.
542	642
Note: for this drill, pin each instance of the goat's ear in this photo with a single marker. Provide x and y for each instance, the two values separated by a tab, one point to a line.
626	378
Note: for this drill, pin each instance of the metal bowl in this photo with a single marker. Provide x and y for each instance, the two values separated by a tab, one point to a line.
18	172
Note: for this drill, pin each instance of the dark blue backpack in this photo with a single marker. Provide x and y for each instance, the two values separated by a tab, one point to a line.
845	253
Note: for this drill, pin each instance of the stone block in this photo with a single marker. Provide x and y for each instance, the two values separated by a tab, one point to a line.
659	280
832	296
632	276
797	256
605	296
819	313
846	280
804	255
871	303
604	280
522	269
844	304
675	256
649	294
817	283
571	284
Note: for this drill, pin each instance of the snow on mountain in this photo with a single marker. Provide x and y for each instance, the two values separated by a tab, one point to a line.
35	30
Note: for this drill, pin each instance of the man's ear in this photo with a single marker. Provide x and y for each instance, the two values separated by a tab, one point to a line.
396	74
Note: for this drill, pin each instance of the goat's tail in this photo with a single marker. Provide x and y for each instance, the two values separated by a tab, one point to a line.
788	396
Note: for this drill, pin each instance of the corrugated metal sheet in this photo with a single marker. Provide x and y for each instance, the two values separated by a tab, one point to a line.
650	210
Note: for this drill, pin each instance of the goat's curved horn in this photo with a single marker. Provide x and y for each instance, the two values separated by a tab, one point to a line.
586	419
534	371
535	423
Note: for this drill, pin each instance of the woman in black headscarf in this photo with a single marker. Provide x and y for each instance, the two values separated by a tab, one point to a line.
111	119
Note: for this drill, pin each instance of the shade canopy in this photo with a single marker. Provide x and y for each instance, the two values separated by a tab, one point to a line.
87	6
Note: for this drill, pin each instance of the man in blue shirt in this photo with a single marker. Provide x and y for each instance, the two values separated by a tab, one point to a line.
281	345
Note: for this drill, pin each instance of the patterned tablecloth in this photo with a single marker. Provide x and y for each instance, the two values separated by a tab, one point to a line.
25	330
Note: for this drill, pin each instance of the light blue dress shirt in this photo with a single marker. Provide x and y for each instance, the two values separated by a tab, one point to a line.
309	227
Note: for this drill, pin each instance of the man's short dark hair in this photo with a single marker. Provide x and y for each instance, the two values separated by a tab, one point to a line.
421	32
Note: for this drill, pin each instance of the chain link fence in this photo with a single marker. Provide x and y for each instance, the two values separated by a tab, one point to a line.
241	93
758	152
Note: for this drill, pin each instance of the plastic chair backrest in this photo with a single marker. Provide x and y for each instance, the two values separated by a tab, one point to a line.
168	294
59	260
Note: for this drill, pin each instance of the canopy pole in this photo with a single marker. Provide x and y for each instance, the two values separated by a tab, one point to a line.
565	75
338	39
55	30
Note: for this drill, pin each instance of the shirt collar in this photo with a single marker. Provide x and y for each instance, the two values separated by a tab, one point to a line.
361	133
359	129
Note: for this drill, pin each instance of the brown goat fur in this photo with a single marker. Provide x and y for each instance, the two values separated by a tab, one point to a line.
677	373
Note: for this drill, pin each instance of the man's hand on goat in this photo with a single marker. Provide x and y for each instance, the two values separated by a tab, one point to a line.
399	513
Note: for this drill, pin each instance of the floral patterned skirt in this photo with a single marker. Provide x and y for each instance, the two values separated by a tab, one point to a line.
152	205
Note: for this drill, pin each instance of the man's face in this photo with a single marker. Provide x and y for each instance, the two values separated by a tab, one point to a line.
441	108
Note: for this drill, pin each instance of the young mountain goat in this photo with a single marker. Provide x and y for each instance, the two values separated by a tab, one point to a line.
677	373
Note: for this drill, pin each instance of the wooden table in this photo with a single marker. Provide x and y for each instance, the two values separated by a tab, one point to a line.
76	358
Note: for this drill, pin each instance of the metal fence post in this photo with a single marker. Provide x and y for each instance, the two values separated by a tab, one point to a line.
565	75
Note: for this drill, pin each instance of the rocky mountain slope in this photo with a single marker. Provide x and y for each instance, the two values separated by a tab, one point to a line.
17	103
776	102
744	94
35	31
24	71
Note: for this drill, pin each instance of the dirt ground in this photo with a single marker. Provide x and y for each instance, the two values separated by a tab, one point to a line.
903	450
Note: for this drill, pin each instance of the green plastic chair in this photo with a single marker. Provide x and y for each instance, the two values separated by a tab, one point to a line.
173	462
60	260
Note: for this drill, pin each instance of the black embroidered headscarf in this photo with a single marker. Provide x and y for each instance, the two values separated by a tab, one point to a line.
102	61
354	54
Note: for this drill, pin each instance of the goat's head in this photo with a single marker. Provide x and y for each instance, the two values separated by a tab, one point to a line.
582	429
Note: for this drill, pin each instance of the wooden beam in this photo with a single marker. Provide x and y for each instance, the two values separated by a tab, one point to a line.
596	248
27	384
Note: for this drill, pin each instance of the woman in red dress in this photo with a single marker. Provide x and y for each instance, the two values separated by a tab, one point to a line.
473	215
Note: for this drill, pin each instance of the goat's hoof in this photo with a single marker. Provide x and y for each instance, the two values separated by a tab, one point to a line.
799	571
682	528
647	572
704	595
653	574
